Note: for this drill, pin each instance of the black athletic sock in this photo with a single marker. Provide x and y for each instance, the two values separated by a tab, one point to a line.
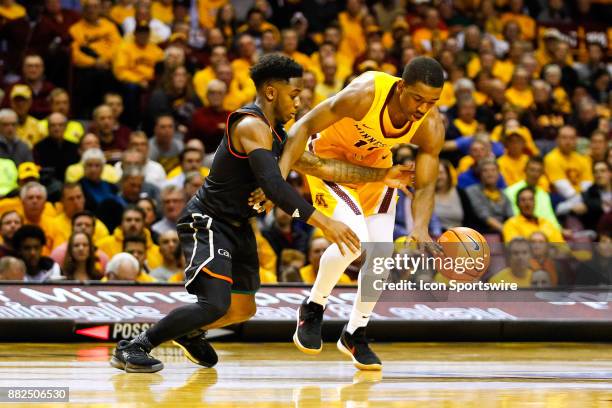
214	298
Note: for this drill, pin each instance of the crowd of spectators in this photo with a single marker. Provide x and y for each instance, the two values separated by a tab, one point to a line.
112	111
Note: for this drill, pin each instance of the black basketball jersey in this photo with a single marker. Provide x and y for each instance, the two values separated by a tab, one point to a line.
227	188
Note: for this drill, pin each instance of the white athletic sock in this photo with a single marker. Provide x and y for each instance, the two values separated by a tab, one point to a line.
331	267
360	315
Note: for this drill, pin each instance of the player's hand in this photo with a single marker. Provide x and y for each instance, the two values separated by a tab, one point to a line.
400	176
426	243
259	201
340	234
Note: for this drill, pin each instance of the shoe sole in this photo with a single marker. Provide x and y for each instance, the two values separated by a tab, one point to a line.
190	357
299	345
361	366
128	368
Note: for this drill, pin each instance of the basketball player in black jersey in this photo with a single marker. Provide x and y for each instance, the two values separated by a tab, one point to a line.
216	236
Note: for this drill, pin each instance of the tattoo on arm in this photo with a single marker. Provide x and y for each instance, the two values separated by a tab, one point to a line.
336	170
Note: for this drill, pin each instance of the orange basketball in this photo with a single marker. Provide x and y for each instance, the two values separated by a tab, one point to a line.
466	254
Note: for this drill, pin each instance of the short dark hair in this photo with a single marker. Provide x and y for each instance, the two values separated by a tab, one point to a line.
133	207
275	67
535	159
69	186
134	238
28	231
163	115
187	150
6	213
84	213
604	162
522	190
424	69
254	10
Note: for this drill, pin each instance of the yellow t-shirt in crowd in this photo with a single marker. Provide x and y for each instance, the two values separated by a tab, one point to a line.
29	131
204	171
207	11
52	233
522	99
519	226
267	276
513	170
113	244
309	276
447	97
424	37
302	59
64	225
163	13
120	12
466	129
575	168
201	80
12	12
265	253
506	275
353	42
135	64
240	91
496	136
501	69
344	66
324	91
527	24
74	130
75	172
103	38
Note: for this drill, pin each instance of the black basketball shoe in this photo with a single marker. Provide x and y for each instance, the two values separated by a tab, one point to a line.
307	335
133	358
197	348
356	347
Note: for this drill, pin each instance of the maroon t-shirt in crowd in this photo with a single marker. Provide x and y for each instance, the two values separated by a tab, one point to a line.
121	138
208	126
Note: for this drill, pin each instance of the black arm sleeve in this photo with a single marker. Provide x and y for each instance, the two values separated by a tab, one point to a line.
268	175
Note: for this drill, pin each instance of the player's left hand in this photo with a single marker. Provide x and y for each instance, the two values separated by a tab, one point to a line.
400	176
259	201
426	243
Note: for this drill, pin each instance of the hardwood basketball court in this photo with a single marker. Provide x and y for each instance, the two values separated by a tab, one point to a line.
461	375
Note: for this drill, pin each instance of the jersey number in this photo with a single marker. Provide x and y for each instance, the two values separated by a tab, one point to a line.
363	143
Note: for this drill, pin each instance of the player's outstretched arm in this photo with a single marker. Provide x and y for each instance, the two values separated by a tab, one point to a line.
429	138
254	138
351	102
339	171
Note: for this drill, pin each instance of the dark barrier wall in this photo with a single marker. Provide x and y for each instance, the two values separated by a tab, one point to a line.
73	312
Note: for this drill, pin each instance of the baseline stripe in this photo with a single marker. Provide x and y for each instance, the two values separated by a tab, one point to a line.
216	275
211	254
344	196
386	201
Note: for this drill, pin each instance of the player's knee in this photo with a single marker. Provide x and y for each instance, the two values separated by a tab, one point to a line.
214	310
249	311
243	313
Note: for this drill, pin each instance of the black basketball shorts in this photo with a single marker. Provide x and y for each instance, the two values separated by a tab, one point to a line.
219	249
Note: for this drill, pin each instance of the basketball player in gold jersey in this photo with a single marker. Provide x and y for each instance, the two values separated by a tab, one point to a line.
359	125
